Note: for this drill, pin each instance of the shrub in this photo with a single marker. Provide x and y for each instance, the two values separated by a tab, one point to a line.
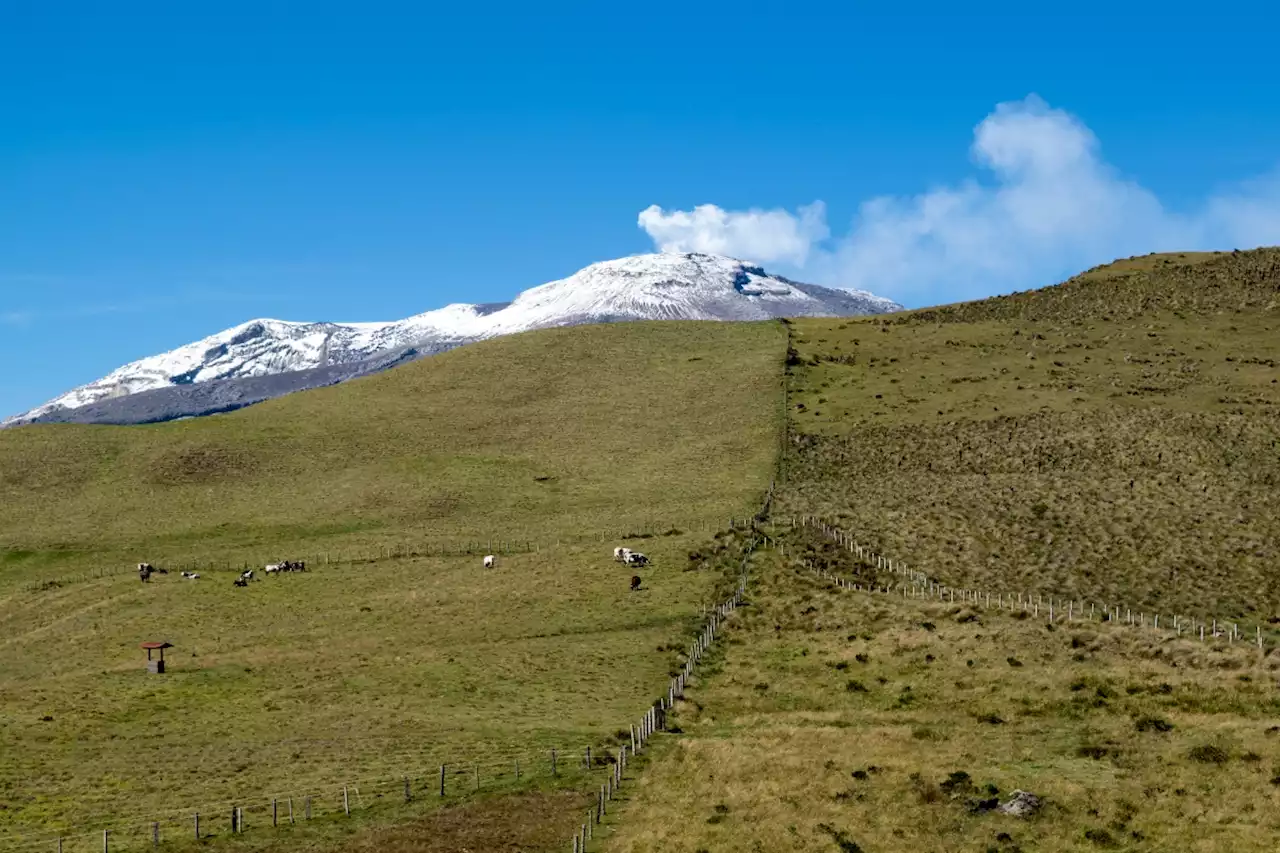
1209	754
856	687
957	782
1100	837
1153	724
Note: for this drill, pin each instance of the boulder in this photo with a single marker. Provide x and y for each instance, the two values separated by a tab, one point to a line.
1021	804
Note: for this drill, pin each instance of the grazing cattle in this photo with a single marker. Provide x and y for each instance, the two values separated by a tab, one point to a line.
635	582
489	561
247	576
620	554
191	576
239	582
635	558
144	572
272	568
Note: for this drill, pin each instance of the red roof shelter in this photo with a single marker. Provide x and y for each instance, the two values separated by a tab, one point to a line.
156	665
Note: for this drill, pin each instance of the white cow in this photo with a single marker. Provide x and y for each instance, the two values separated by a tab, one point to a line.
489	561
272	568
191	576
247	576
621	554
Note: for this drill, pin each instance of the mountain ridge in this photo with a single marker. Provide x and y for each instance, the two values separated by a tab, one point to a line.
265	358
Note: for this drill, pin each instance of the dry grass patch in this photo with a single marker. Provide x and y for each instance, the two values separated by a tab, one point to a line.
946	729
1131	463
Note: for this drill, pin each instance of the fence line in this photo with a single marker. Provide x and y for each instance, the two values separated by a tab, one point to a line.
917	584
445	779
654	720
152	827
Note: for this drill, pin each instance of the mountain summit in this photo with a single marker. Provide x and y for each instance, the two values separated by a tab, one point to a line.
261	359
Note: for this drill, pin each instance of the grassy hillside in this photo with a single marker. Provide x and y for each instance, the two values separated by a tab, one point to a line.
540	436
1039	446
1116	440
843	721
1188	283
362	674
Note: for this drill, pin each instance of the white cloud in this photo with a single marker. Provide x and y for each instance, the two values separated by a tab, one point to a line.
1052	206
764	236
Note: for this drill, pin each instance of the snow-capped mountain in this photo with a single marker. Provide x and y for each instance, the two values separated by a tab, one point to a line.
266	358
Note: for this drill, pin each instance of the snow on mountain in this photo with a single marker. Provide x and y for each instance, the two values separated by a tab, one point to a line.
667	286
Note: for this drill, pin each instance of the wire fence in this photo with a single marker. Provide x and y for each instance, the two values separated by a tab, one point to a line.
447	781
415	775
654	720
917	584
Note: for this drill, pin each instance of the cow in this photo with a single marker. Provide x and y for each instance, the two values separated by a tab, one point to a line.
191	576
635	582
247	576
239	582
144	572
635	558
272	568
620	554
489	561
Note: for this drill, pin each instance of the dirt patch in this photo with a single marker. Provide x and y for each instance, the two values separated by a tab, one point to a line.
513	824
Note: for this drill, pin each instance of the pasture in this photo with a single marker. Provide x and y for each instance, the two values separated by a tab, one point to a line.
1134	461
299	684
304	682
541	437
833	720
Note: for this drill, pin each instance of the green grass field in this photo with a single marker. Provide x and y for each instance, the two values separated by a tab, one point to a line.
543	437
362	673
834	720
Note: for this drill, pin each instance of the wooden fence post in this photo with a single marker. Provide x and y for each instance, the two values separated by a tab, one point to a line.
406	789
155	833
197	826
553	762
106	841
291	810
306	804
442	780
274	812
346	805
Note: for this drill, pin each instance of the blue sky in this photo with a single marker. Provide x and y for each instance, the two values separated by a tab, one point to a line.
166	173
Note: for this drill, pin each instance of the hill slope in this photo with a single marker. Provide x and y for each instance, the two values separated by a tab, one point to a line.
1113	442
367	674
262	359
530	437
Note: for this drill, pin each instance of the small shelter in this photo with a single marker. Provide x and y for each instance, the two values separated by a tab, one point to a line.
156	665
